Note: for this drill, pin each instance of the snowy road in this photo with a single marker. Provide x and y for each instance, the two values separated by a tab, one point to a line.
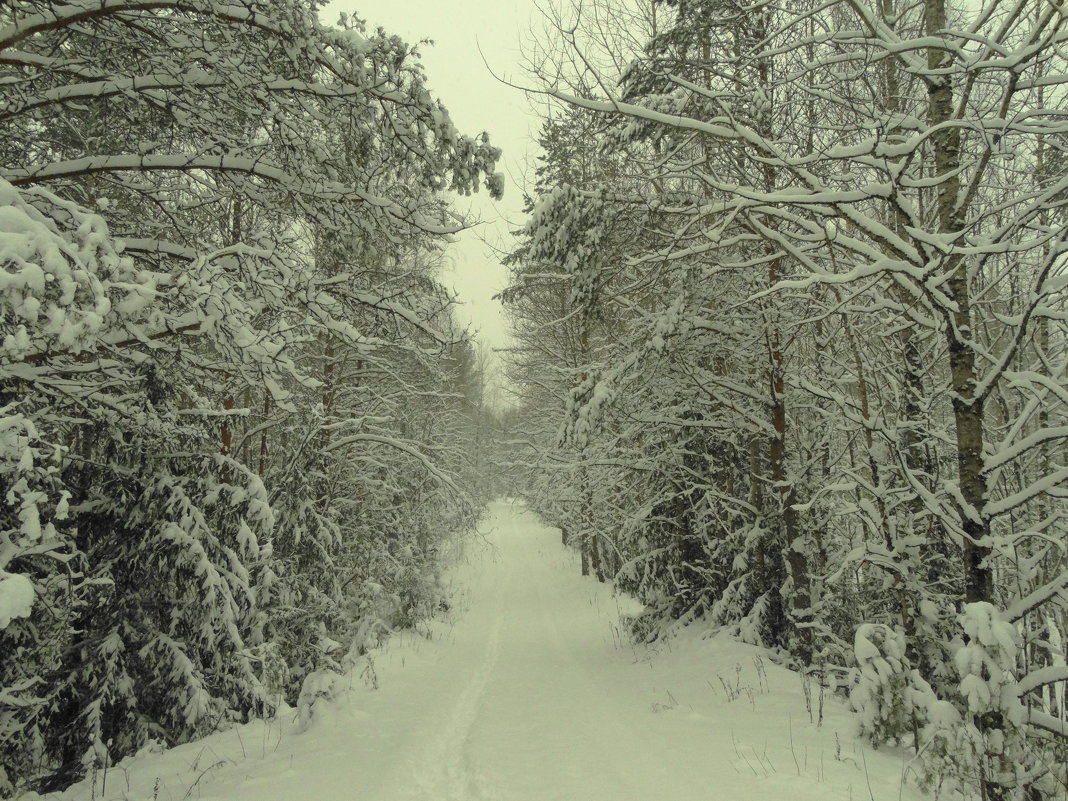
536	717
529	693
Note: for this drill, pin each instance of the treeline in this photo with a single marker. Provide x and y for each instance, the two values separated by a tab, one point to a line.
791	308
235	407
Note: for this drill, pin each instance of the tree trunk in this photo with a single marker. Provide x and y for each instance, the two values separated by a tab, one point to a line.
799	603
967	406
263	434
226	436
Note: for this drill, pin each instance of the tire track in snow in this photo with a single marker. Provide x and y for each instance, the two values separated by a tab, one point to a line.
598	713
448	770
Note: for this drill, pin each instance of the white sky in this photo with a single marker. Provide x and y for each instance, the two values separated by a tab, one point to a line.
457	75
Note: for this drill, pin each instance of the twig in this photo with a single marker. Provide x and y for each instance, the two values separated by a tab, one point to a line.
203	773
867	778
793	753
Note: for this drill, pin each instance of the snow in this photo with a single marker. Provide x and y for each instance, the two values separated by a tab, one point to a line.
16	597
528	691
986	662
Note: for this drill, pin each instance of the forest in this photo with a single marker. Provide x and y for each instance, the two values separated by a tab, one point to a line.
791	308
235	406
790	357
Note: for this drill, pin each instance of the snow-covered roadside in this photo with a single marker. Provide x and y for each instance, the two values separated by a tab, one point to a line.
528	692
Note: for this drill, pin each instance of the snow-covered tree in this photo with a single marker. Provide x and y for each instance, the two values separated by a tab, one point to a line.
193	485
859	251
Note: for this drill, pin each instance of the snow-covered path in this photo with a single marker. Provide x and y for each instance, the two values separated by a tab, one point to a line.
531	710
529	693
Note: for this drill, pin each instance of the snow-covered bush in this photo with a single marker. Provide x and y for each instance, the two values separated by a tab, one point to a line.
317	687
973	741
888	694
979	745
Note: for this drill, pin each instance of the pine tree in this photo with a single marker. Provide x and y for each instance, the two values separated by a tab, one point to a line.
203	513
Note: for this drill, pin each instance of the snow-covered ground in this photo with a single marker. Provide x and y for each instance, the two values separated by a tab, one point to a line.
529	692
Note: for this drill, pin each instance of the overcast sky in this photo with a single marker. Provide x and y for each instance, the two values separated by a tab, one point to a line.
458	76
